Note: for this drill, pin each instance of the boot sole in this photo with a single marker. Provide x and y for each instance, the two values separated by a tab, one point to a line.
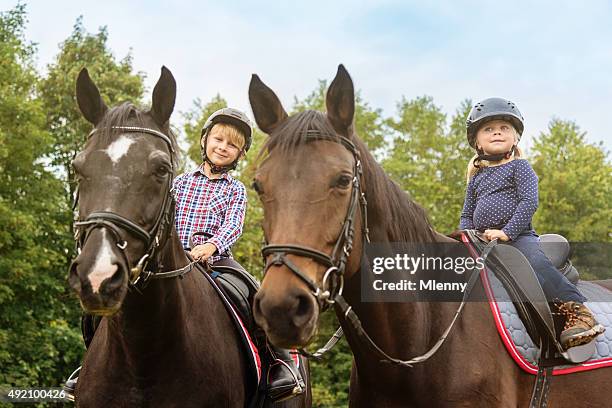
584	337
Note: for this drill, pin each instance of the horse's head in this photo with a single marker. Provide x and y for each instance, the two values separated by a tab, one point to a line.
124	178
313	208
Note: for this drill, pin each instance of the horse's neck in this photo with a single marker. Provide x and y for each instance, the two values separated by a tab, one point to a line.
404	329
401	329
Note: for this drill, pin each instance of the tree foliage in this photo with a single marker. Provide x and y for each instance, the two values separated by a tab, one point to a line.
575	184
115	79
429	158
38	335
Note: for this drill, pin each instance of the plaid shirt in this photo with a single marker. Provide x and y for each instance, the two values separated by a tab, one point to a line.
212	206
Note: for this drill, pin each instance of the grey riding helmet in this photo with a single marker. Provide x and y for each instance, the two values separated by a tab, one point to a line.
492	109
233	117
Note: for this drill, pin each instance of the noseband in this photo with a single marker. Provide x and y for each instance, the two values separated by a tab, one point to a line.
148	265
333	279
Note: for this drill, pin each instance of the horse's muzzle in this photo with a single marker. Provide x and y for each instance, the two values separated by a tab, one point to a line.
101	286
289	320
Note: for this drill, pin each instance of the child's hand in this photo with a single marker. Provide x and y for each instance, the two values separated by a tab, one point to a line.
490	235
203	251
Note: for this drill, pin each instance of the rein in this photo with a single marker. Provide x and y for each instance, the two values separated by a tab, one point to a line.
330	291
147	267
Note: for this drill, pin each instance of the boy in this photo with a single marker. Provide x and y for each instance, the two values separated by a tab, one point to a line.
211	204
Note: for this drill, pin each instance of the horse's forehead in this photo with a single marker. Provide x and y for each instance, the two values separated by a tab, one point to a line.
319	156
119	148
131	147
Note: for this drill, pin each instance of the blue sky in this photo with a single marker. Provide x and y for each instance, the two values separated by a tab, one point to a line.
552	58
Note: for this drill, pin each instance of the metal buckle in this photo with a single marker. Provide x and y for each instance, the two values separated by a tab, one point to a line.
136	271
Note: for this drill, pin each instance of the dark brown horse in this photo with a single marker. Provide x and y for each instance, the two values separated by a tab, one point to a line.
163	342
306	184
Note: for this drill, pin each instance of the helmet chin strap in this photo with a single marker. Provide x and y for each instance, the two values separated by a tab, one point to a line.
216	169
493	157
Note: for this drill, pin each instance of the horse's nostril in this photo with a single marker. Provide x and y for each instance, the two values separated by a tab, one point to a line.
73	277
303	309
115	281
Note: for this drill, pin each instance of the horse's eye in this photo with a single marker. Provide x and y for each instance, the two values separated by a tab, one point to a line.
257	187
342	181
162	171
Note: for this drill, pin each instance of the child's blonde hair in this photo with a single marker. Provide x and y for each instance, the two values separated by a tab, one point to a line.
472	169
234	134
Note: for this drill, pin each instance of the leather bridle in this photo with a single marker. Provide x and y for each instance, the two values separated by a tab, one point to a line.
149	264
331	293
333	278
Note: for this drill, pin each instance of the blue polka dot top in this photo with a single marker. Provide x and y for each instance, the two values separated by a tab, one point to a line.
502	197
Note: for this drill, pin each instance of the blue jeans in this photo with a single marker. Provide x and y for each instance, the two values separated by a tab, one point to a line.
554	284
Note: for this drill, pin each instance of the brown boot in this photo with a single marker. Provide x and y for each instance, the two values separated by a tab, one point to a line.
580	325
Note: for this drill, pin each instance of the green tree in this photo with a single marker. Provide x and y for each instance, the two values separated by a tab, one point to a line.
39	339
575	184
115	79
575	189
248	248
429	158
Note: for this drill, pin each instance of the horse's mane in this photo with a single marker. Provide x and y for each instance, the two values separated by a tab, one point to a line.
127	114
389	207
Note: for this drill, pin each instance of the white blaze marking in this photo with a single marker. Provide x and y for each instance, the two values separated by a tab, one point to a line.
119	148
103	268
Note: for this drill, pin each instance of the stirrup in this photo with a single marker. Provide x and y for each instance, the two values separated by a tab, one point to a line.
282	393
70	385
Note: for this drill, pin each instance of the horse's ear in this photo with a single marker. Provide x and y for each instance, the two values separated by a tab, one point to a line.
164	96
267	108
88	96
340	102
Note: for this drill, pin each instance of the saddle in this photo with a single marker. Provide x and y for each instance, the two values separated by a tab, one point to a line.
235	282
519	279
557	249
238	285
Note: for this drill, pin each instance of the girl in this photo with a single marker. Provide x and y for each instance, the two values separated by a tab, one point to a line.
501	198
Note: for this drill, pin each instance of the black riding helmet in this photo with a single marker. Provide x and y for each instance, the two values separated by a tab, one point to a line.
492	109
233	117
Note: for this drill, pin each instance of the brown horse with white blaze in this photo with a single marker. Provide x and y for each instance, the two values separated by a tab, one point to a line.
166	339
306	185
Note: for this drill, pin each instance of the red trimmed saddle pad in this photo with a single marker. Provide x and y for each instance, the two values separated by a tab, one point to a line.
518	342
